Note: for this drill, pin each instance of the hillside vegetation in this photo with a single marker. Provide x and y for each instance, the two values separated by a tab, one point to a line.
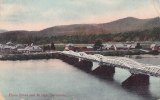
127	29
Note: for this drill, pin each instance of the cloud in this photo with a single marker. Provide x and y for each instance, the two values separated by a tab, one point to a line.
10	9
156	4
7	11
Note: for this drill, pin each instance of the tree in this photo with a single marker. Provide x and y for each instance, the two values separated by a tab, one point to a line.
98	45
44	48
138	46
53	46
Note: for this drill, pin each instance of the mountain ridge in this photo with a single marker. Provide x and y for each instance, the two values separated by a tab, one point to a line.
2	30
129	25
121	25
117	26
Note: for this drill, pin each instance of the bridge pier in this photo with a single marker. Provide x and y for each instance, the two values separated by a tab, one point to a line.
84	65
136	80
104	71
68	59
60	56
72	60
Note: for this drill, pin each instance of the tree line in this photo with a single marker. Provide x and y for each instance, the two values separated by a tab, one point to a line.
25	38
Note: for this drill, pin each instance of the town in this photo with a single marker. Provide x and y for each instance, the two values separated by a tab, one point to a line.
13	48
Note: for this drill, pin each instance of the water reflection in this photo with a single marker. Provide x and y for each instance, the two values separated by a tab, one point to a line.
57	77
143	91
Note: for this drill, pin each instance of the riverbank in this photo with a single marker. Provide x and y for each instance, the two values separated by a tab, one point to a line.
28	56
53	55
123	52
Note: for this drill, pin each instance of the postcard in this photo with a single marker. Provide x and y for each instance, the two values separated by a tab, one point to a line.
79	49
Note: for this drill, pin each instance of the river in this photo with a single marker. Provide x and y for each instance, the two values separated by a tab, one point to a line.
55	80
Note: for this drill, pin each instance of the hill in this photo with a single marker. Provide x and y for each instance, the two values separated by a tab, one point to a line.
126	28
118	26
2	31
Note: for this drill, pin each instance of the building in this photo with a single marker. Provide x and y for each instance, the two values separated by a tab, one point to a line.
78	47
155	47
8	48
119	46
30	49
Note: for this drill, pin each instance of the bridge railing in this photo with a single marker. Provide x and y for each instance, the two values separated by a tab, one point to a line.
121	62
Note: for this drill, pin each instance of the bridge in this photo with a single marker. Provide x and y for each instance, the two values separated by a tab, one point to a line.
139	72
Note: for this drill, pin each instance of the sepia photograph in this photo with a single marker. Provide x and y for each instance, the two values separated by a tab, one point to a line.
79	49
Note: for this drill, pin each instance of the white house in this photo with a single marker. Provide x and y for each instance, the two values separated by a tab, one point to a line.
154	47
68	47
8	48
30	49
9	44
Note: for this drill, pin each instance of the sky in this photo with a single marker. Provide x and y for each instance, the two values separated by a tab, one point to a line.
35	15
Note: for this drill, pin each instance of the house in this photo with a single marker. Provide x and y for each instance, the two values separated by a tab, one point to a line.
30	49
131	46
78	47
90	48
69	47
154	47
8	49
9	44
21	45
34	49
113	47
107	46
119	46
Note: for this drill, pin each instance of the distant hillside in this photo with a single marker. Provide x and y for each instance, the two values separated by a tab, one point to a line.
121	25
2	31
129	26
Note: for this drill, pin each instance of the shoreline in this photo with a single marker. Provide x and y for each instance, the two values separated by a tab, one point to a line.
53	55
122	52
30	56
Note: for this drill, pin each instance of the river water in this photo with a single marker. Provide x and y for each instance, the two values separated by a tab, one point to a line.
56	80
